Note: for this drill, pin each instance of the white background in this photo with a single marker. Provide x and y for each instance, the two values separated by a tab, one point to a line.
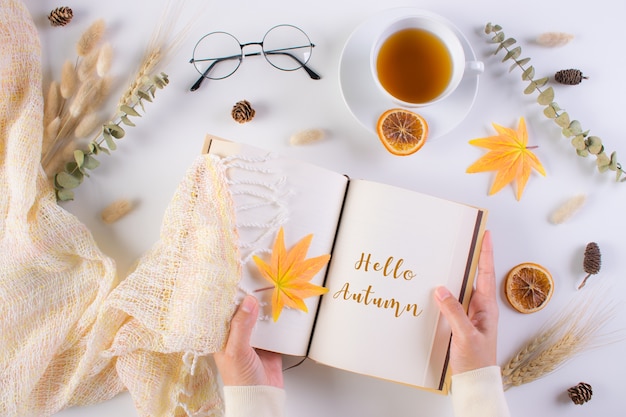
153	157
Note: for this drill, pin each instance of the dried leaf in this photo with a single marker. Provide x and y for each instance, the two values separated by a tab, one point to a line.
290	273
509	156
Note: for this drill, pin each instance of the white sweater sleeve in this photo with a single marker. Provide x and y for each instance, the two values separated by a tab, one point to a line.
254	401
479	393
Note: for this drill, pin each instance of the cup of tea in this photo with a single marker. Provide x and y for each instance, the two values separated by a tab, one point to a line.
419	60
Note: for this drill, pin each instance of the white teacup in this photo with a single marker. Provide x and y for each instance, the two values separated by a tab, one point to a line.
424	60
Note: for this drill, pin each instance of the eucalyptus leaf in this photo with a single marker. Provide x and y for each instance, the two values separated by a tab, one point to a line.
93	148
546	97
65	180
129	110
528	73
530	88
594	145
109	140
144	96
563	120
578	142
513	53
127	121
505	44
582	152
575	127
102	149
488	28
91	162
115	130
65	195
79	157
613	166
498	37
541	82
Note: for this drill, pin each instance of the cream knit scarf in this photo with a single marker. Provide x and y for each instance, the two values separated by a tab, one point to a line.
70	332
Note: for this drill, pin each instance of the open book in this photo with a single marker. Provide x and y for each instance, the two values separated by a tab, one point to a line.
390	248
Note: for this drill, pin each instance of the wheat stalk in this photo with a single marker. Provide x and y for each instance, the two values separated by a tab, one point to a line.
141	86
578	328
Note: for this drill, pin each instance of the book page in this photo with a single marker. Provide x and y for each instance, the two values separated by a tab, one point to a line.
394	247
270	191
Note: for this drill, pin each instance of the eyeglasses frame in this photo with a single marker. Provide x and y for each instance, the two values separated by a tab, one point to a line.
203	75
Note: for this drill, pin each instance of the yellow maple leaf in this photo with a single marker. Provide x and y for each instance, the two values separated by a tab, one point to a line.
509	155
290	273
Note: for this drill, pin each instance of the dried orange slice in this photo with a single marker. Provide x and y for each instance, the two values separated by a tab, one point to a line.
529	287
402	131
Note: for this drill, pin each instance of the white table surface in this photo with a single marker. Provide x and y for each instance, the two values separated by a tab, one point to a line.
153	157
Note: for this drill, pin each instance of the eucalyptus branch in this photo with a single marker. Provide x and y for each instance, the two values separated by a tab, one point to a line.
84	160
584	143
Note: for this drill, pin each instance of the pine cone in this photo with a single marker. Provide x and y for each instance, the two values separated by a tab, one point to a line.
581	393
569	76
593	258
591	262
60	16
242	111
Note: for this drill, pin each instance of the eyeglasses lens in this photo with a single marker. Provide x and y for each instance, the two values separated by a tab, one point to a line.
286	47
217	55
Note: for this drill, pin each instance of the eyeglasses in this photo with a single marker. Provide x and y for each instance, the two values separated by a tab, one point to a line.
217	55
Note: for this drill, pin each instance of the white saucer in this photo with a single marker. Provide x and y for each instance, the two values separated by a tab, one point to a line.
367	102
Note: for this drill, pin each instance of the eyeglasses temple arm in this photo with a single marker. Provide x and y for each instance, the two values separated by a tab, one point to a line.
198	83
314	75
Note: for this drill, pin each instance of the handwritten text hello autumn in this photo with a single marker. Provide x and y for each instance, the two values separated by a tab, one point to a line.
391	269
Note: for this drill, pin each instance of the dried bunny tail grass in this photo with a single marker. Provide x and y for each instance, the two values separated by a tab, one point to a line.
69	80
116	210
102	90
89	95
87	125
90	38
578	328
87	65
565	211
554	39
59	159
52	104
50	133
105	57
161	44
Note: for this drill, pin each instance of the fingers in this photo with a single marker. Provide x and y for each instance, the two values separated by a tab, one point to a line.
242	324
453	311
486	278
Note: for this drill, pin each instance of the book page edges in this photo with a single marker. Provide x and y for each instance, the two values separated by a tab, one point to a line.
465	293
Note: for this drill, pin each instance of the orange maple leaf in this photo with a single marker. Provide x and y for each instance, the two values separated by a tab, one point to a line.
509	155
290	273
